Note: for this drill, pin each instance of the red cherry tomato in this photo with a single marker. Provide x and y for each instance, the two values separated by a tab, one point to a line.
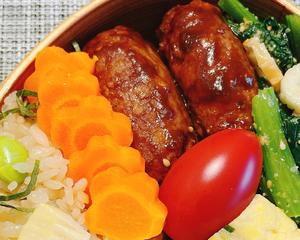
211	184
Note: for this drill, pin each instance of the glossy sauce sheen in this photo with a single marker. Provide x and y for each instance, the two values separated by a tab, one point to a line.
210	65
136	82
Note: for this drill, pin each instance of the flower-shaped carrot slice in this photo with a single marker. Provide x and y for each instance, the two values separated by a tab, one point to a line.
125	207
46	112
60	83
55	58
101	153
80	124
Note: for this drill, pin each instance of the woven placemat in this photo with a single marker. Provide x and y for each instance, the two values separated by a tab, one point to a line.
25	22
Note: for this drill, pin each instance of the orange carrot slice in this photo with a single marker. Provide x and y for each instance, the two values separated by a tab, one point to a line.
49	56
83	61
59	83
101	153
46	112
105	178
55	58
60	128
32	81
48	59
121	121
149	187
85	129
86	121
96	106
121	211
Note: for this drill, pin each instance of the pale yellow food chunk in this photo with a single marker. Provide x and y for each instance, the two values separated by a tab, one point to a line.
261	220
263	62
50	223
290	88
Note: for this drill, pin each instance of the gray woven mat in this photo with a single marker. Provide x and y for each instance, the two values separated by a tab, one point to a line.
24	22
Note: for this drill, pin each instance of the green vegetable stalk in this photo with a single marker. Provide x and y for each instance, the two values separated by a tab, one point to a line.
281	172
293	22
237	11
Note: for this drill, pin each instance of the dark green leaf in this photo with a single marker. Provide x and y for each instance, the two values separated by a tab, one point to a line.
262	83
291	126
4	114
26	210
24	108
26	93
229	228
273	34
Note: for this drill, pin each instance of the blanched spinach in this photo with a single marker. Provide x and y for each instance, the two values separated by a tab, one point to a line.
273	34
291	126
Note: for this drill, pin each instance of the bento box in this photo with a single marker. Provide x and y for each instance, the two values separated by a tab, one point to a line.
156	119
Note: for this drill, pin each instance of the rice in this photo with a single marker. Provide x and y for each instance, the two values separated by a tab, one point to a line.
53	186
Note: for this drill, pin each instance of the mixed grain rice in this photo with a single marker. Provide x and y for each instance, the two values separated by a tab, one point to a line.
53	186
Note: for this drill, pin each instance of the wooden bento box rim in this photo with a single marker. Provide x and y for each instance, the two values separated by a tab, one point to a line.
23	69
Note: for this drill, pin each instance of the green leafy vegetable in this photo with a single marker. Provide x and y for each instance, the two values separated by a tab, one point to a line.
29	188
263	83
20	209
229	228
280	170
291	126
26	93
24	108
272	33
237	11
293	22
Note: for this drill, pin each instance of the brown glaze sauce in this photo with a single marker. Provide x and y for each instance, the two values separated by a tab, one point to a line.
210	65
136	82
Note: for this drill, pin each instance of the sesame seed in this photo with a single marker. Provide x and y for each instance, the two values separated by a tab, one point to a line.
264	140
12	186
282	145
294	169
191	129
27	180
166	162
269	184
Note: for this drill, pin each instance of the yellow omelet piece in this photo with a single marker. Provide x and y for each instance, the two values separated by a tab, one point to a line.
261	220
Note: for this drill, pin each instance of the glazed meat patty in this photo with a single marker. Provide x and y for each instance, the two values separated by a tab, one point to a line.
137	83
210	65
